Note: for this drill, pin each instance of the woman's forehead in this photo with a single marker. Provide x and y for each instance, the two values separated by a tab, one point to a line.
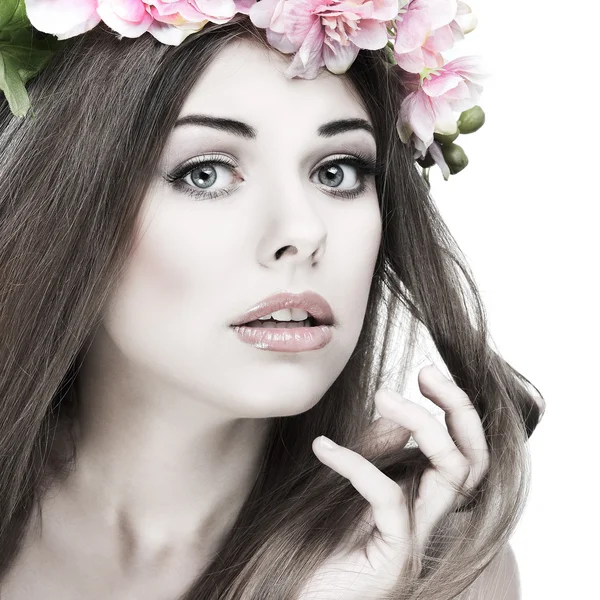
248	80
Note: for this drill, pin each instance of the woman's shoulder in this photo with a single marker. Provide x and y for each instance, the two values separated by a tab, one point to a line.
500	580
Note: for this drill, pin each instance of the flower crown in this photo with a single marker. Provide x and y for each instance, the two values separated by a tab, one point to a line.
320	33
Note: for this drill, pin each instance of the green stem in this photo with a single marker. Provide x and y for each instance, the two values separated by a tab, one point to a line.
426	177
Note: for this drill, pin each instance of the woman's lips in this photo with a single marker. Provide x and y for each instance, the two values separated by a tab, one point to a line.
285	339
311	302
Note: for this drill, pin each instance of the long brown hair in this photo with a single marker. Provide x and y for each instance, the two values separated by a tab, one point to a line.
72	182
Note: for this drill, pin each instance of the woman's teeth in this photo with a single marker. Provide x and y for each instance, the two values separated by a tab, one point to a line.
279	324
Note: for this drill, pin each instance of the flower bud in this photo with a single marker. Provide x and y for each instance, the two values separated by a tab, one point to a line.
446	138
389	53
471	120
466	19
426	161
456	158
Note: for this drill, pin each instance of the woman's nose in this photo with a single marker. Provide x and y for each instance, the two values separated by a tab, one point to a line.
296	224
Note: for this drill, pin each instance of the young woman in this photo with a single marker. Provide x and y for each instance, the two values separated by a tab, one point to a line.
152	446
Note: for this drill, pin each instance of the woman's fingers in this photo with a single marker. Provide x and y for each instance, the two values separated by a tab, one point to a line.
461	418
383	494
436	493
458	453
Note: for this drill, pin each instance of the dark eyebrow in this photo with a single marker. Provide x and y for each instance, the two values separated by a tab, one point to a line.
244	130
341	126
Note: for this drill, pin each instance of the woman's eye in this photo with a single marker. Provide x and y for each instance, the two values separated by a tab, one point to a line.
348	176
199	177
205	177
333	175
209	177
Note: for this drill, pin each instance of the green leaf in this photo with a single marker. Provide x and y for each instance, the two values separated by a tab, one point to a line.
22	56
13	87
13	16
30	52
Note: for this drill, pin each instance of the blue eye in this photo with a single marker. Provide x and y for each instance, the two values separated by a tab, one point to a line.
198	176
203	175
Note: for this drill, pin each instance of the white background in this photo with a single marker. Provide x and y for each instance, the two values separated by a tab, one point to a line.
525	213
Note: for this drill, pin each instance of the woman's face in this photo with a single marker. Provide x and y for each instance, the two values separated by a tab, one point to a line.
208	246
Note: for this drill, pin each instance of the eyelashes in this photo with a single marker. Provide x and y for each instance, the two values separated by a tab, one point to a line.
364	165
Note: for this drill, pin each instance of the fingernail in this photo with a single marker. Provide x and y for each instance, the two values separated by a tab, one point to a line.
327	443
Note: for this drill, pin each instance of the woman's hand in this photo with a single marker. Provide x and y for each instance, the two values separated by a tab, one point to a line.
460	455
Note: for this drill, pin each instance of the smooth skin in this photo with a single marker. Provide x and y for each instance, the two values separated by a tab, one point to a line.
459	455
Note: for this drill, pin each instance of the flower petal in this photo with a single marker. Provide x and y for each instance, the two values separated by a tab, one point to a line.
309	58
170	34
468	67
437	85
437	12
464	101
385	10
445	121
371	35
417	115
432	60
63	18
404	129
244	6
440	161
300	19
413	62
457	31
121	26
281	42
262	12
129	10
411	32
360	8
419	147
441	39
179	12
220	10
465	18
338	59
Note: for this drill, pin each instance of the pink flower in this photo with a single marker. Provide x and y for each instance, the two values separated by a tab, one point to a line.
174	20
169	21
324	32
268	14
179	12
244	6
423	30
63	18
464	22
130	18
429	109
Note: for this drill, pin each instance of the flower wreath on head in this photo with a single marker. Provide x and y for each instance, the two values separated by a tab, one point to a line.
319	33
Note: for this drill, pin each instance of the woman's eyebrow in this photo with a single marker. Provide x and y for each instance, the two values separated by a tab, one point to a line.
244	130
